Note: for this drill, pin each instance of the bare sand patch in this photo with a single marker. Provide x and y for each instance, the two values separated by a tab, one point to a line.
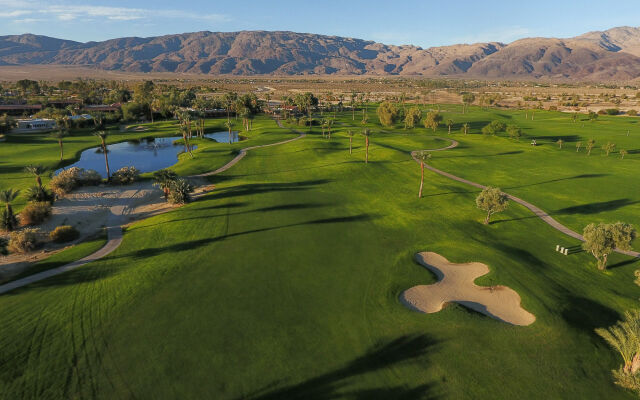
456	284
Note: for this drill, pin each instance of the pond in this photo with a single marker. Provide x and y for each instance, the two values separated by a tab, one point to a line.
147	155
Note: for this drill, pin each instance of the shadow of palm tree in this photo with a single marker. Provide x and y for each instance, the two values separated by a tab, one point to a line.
330	385
595	208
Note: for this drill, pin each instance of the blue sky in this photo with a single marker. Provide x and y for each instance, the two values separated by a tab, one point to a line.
423	23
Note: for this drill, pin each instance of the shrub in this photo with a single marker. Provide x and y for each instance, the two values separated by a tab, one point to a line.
4	243
88	177
632	113
35	213
24	240
64	233
553	108
493	128
71	178
8	220
38	193
125	176
612	111
179	191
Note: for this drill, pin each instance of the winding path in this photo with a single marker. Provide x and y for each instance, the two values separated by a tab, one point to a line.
114	230
536	210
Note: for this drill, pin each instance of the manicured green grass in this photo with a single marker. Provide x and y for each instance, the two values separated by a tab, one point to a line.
284	283
66	256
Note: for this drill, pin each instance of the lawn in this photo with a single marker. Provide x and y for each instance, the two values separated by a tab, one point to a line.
284	282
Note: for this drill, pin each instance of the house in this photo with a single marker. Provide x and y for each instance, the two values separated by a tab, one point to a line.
34	125
20	109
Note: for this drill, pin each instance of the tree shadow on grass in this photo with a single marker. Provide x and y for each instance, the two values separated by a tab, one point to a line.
582	176
258	188
587	315
624	263
595	208
194	244
334	384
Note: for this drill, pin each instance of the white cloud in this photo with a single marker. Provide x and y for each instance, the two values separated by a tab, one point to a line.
68	12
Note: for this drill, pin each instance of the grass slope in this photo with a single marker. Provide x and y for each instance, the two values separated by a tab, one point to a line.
284	283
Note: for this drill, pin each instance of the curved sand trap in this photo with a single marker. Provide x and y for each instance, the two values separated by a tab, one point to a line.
456	285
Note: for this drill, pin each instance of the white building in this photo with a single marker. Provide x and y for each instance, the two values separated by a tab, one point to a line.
34	125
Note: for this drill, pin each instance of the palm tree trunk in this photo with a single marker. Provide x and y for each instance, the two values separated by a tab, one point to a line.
421	179
366	159
350	145
106	160
39	181
61	150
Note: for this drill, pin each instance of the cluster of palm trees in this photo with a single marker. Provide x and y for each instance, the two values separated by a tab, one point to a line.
176	190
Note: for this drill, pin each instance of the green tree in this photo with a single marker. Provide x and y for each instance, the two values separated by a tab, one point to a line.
465	128
608	148
387	113
412	117
590	144
494	127
366	133
59	135
449	125
467	99
623	153
624	337
102	136
560	142
600	240
514	131
8	220
423	157
229	125
492	200
432	120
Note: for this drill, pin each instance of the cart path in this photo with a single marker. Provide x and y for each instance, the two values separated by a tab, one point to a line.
114	230
536	210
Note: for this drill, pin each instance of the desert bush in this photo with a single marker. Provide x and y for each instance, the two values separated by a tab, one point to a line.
632	113
612	111
179	191
39	193
71	178
24	240
553	108
35	213
125	176
64	233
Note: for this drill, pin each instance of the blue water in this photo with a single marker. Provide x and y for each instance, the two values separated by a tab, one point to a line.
147	155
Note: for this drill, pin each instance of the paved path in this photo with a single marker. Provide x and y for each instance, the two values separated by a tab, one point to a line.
536	210
114	229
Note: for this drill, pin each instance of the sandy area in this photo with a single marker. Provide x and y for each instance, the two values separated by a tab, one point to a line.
456	284
90	210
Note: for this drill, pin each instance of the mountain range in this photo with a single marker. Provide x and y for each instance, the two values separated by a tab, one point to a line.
595	56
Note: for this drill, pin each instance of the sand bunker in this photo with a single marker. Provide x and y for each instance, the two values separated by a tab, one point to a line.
456	285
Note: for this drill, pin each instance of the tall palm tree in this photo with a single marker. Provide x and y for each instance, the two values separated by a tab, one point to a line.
102	135
9	221
449	125
37	171
560	142
465	127
59	135
163	179
590	144
623	153
185	136
423	157
229	126
350	134
366	133
329	125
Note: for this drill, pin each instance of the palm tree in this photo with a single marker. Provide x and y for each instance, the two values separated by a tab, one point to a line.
163	179
449	125
366	133
560	143
37	171
59	135
350	134
623	153
9	221
229	126
329	125
102	135
608	148
578	145
465	127
423	157
625	337
185	136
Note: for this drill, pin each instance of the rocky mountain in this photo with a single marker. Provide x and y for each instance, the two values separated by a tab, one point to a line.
609	55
